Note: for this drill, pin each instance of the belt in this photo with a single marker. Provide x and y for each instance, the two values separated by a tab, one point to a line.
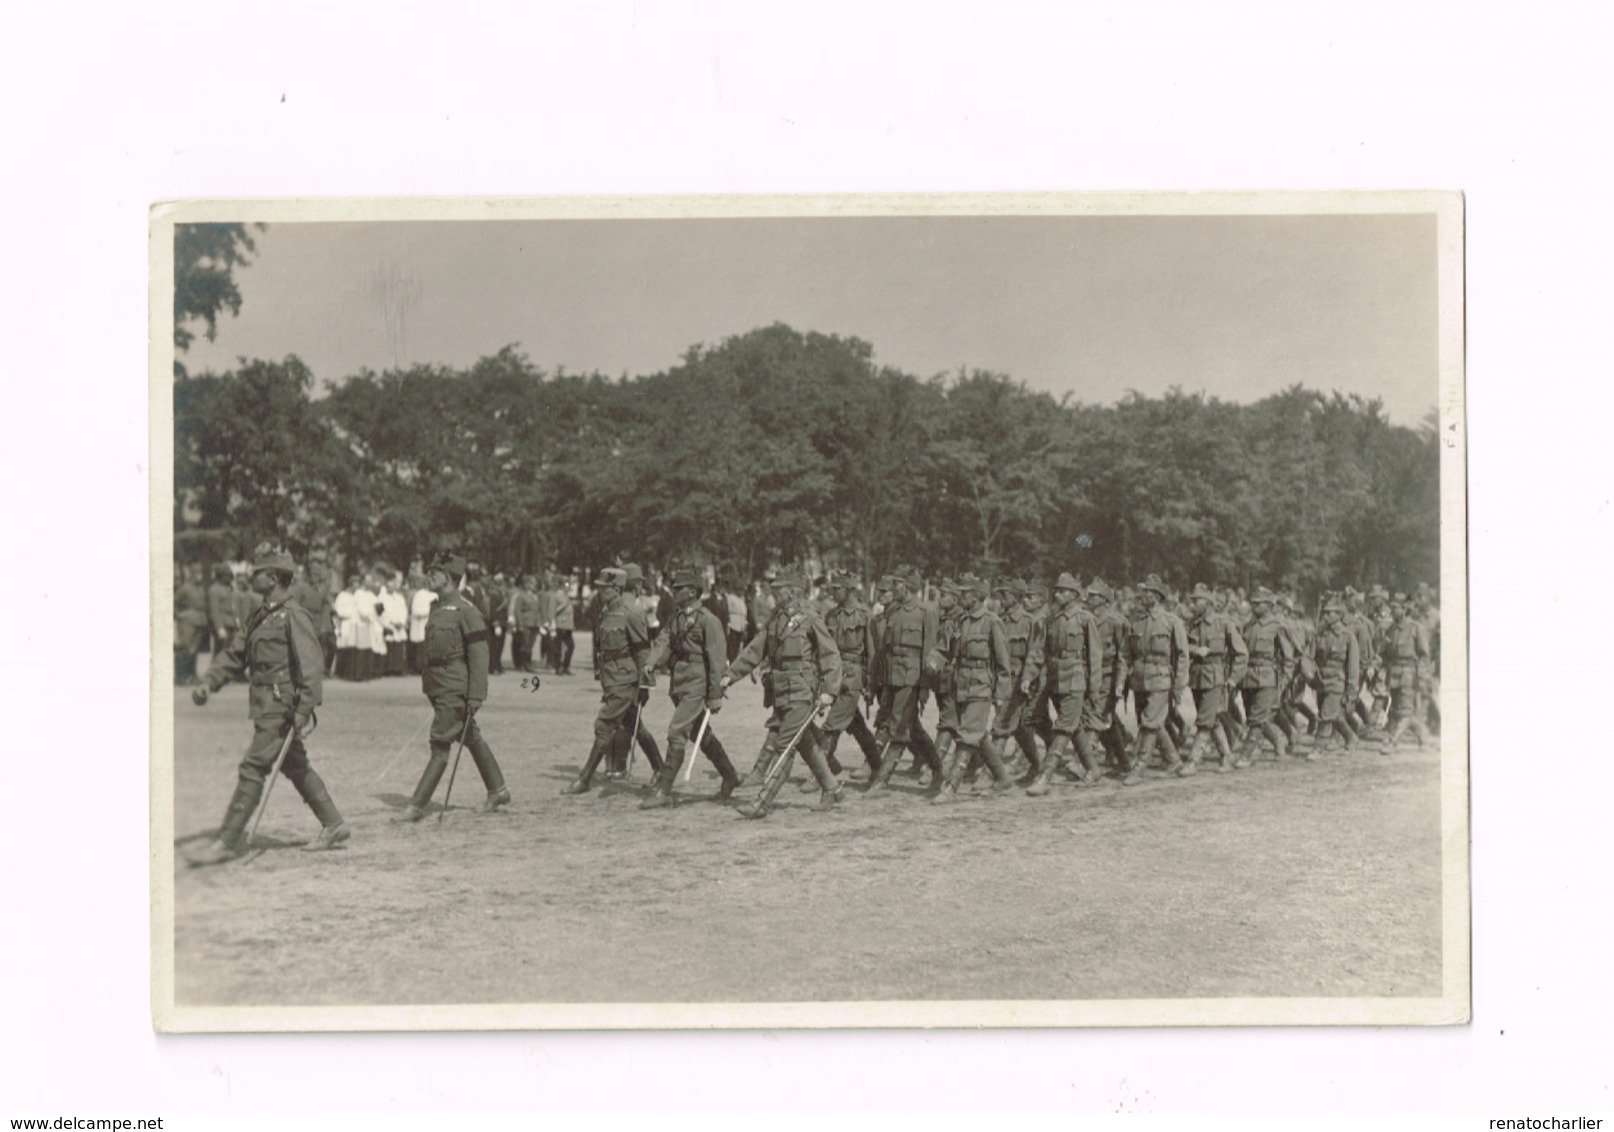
272	678
444	662
969	662
622	655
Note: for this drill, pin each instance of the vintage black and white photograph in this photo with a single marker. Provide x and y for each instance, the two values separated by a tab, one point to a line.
850	611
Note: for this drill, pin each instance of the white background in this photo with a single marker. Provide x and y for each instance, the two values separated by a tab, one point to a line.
104	112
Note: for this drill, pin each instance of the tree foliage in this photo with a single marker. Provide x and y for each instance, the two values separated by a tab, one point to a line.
781	446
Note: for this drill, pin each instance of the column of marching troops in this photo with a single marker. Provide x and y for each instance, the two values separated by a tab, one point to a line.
1025	688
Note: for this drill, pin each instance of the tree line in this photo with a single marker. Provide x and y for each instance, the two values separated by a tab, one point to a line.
778	446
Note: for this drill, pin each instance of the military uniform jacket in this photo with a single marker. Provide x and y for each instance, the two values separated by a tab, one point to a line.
1405	649
281	655
1217	654
877	678
1027	637
621	645
1272	653
1339	659
456	650
1112	633
979	658
851	627
527	611
939	661
1157	651
1362	629
694	650
910	638
800	654
1074	652
221	608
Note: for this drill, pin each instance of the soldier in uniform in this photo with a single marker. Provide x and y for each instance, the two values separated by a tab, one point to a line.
849	623
977	672
455	680
1406	651
1072	677
693	650
1305	674
938	677
621	649
804	675
1099	716
1338	655
630	729
1217	660
1025	635
1358	716
1157	652
910	629
1272	663
279	650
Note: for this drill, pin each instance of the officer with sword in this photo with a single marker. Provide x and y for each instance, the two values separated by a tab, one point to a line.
804	674
280	651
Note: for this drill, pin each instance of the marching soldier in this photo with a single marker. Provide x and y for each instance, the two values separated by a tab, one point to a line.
1305	674
1099	716
1406	651
279	650
1072	678
1358	715
621	648
1217	660
1272	662
1025	635
910	629
1157	652
939	668
978	672
850	624
804	674
1338	655
693	649
630	731
455	680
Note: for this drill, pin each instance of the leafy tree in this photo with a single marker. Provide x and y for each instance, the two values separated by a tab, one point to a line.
205	257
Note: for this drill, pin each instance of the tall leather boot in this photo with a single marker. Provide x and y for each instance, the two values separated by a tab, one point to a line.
1393	740
720	759
332	829
1140	757
616	764
889	758
427	786
1247	749
946	744
829	785
759	769
652	753
661	786
1002	779
596	754
924	749
772	784
1051	759
231	838
1087	752
1025	741
858	729
492	777
1223	747
831	741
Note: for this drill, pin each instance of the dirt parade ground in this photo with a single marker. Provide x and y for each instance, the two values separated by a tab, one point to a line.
1290	879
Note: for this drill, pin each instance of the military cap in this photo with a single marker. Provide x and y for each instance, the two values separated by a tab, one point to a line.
1398	598
612	576
1261	594
843	579
1352	591
789	578
948	586
1202	590
689	578
1067	581
529	580
450	563
632	572
1099	589
1003	585
1333	605
887	581
1379	593
1153	584
910	576
969	586
1037	590
268	556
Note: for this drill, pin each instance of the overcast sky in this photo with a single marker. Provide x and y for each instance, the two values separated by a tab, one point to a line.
1239	307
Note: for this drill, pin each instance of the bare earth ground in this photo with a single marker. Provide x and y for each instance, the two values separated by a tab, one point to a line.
1299	879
